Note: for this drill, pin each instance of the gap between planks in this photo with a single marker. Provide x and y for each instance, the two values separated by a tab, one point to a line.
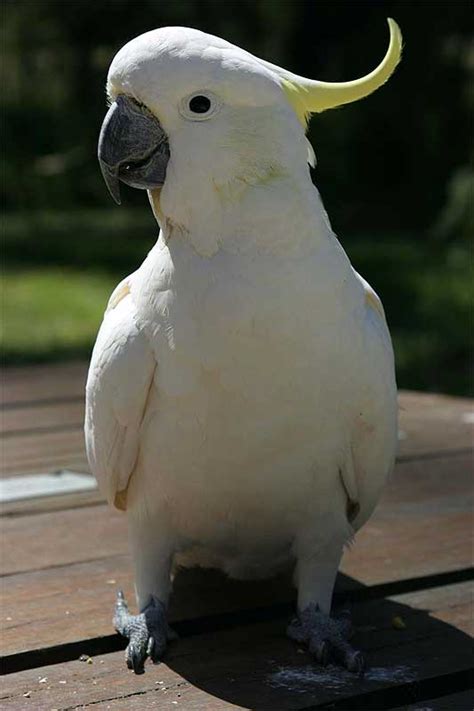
227	620
213	669
54	595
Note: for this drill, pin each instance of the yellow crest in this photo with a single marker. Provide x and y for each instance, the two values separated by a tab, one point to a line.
308	96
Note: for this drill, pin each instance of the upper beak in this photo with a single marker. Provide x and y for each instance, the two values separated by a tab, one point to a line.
133	147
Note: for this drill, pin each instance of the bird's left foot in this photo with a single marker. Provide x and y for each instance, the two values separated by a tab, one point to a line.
147	632
326	638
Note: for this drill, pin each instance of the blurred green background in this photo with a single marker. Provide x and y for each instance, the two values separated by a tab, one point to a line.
394	170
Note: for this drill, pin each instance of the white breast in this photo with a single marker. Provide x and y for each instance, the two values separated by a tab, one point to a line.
261	368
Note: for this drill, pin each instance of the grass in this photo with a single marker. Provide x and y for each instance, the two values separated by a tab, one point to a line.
61	267
428	296
51	313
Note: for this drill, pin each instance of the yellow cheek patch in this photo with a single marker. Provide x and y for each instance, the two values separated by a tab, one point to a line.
295	95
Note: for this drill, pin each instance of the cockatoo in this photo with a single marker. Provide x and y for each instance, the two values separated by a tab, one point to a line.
241	397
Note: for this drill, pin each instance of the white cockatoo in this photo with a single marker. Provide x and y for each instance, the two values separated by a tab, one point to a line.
241	398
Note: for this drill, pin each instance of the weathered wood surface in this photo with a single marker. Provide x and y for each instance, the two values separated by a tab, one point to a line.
432	424
406	538
27	385
450	702
74	535
63	558
44	451
256	666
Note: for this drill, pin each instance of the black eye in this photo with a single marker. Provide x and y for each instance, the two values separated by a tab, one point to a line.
200	104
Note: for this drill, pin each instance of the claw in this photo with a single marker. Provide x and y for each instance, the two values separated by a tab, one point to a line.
355	663
320	650
326	637
121	615
148	632
120	602
149	649
135	660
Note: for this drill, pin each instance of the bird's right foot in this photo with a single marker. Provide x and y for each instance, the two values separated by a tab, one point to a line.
147	632
326	637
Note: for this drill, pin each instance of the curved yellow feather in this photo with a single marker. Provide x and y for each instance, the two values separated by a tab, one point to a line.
308	96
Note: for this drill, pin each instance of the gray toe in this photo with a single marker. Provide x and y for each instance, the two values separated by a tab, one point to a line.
135	658
355	662
326	637
148	632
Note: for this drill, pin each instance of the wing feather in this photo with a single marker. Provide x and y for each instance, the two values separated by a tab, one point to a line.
120	377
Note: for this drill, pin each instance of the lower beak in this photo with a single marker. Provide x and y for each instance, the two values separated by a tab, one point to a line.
133	148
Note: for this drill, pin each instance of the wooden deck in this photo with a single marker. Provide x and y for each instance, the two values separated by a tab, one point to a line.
407	580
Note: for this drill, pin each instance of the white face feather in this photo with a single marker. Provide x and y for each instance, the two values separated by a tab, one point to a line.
163	66
250	136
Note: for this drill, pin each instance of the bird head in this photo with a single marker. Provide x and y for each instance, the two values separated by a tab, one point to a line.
196	115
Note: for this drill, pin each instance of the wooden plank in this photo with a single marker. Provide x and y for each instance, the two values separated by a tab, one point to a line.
44	451
434	423
405	539
39	486
440	504
451	603
50	607
52	396
428	484
427	422
37	604
398	550
61	537
462	701
72	461
39	418
422	526
30	507
256	666
26	384
60	605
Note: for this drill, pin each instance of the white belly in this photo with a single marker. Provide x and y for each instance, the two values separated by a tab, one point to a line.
251	419
243	465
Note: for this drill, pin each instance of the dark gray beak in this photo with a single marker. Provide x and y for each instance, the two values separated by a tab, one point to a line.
133	147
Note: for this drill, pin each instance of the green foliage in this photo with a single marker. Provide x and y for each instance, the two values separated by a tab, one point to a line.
53	297
384	163
393	170
428	296
115	240
51	313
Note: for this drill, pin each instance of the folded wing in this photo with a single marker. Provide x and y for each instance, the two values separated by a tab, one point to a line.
119	381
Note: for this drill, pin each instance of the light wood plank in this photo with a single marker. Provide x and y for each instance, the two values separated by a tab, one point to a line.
422	525
46	504
422	507
41	418
434	423
43	452
26	384
428	423
61	537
